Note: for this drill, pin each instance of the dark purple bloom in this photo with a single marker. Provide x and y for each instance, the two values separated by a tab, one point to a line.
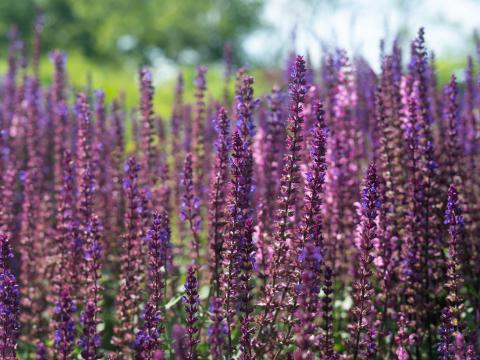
217	202
452	323
273	148
92	258
89	340
129	291
285	248
327	314
9	303
191	301
361	327
245	106
453	154
311	256
84	161
147	127
239	248
190	211
89	318
64	333
312	228
247	262
148	340
217	329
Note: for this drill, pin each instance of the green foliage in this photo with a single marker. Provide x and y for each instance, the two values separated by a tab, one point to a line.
187	31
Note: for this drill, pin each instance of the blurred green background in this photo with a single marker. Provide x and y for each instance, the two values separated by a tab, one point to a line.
107	40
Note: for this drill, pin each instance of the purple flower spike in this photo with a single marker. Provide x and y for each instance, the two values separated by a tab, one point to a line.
128	295
285	245
64	334
147	126
190	211
217	203
362	344
89	340
311	257
9	302
452	323
148	339
191	301
216	330
89	319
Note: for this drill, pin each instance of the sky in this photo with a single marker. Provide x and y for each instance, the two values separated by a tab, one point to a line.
359	25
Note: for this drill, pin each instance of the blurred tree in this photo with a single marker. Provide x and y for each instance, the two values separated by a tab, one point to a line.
182	30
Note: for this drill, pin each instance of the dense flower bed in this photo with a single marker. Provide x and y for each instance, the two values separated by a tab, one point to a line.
242	228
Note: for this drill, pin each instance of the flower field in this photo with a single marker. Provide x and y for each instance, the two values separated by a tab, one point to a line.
335	217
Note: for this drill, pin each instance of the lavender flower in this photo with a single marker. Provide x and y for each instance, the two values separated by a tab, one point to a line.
68	247
454	152
308	300
147	127
327	314
147	339
9	302
288	193
90	339
312	228
64	334
245	106
247	263
191	301
190	205
30	277
85	165
128	295
158	239
451	315
92	257
362	290
310	258
216	330
238	243
217	216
